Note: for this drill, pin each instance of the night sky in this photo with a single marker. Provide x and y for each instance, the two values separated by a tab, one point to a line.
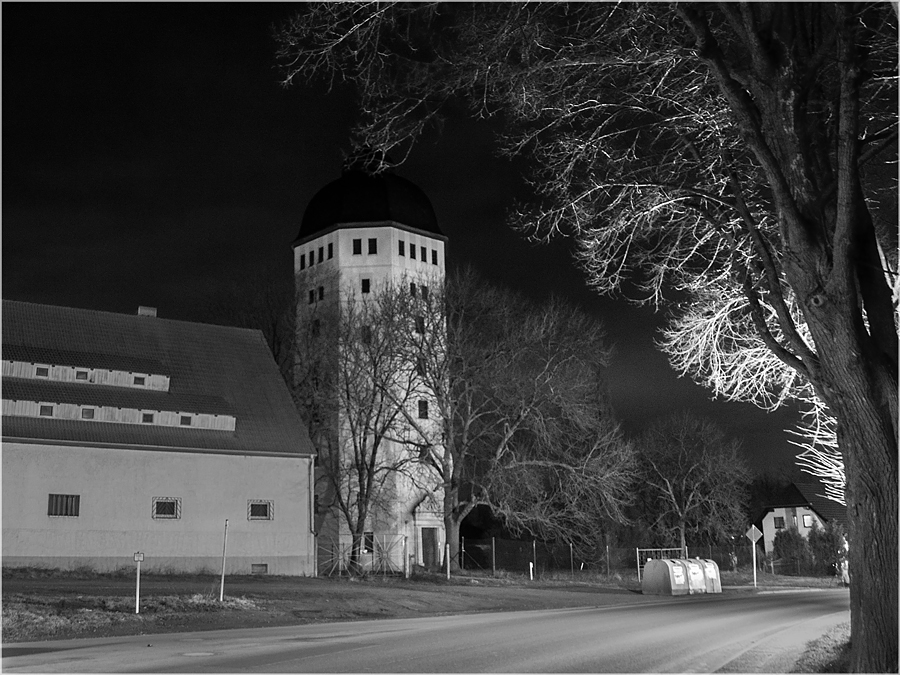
150	157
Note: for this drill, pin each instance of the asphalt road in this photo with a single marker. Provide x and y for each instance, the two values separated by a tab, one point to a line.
738	632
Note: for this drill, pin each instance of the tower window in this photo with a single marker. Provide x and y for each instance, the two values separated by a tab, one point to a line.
424	290
401	247
423	409
321	292
434	257
321	254
366	285
420	366
302	261
316	327
424	253
312	297
412	251
312	258
366	334
357	247
373	246
420	324
412	290
330	251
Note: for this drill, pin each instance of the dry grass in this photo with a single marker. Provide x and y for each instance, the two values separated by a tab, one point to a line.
829	654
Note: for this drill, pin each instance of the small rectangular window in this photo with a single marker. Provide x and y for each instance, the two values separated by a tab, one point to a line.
366	335
420	324
807	520
42	371
81	375
401	247
46	410
373	246
779	523
412	251
321	254
316	327
140	380
166	508
366	285
64	505
424	253
412	290
185	420
368	542
357	247
330	251
424	289
87	413
420	366
321	292
259	568
260	509
423	409
434	257
146	418
312	297
302	261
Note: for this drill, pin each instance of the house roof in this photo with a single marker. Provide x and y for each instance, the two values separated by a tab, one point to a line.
808	495
212	369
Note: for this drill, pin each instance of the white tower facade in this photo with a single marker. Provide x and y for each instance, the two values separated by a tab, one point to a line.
362	234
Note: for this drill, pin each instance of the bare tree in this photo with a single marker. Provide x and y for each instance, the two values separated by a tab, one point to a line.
516	392
693	480
733	153
351	386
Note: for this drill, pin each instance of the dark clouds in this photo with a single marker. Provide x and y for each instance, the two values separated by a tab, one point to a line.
150	157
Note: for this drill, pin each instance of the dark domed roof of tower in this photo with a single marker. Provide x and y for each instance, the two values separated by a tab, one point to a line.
360	196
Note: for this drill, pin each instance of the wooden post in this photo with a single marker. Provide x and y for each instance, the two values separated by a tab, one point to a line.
534	553
572	559
493	556
448	561
462	554
224	547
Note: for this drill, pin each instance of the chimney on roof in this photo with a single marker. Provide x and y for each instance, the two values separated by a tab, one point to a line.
146	311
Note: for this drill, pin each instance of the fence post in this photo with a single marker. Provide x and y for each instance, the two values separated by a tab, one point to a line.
637	555
572	559
406	556
534	553
462	554
447	547
493	556
607	562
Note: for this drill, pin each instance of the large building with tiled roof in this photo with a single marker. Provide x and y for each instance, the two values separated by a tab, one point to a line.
130	433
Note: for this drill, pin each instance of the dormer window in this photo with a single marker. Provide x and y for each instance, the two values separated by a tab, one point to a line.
88	413
46	410
185	420
42	371
81	375
147	418
140	380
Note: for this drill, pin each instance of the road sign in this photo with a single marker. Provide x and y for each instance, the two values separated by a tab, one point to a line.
138	557
753	534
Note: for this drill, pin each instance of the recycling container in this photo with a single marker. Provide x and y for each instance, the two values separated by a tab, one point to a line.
664	577
695	576
711	575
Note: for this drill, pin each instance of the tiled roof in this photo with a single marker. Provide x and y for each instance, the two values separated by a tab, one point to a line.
827	508
809	494
213	369
120	397
66	357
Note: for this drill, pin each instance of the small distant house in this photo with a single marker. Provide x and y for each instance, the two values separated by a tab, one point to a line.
131	433
800	505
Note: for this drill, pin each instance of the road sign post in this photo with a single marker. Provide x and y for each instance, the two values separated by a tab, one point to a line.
138	558
753	534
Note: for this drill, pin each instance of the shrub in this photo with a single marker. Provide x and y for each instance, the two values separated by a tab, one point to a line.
827	547
792	549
